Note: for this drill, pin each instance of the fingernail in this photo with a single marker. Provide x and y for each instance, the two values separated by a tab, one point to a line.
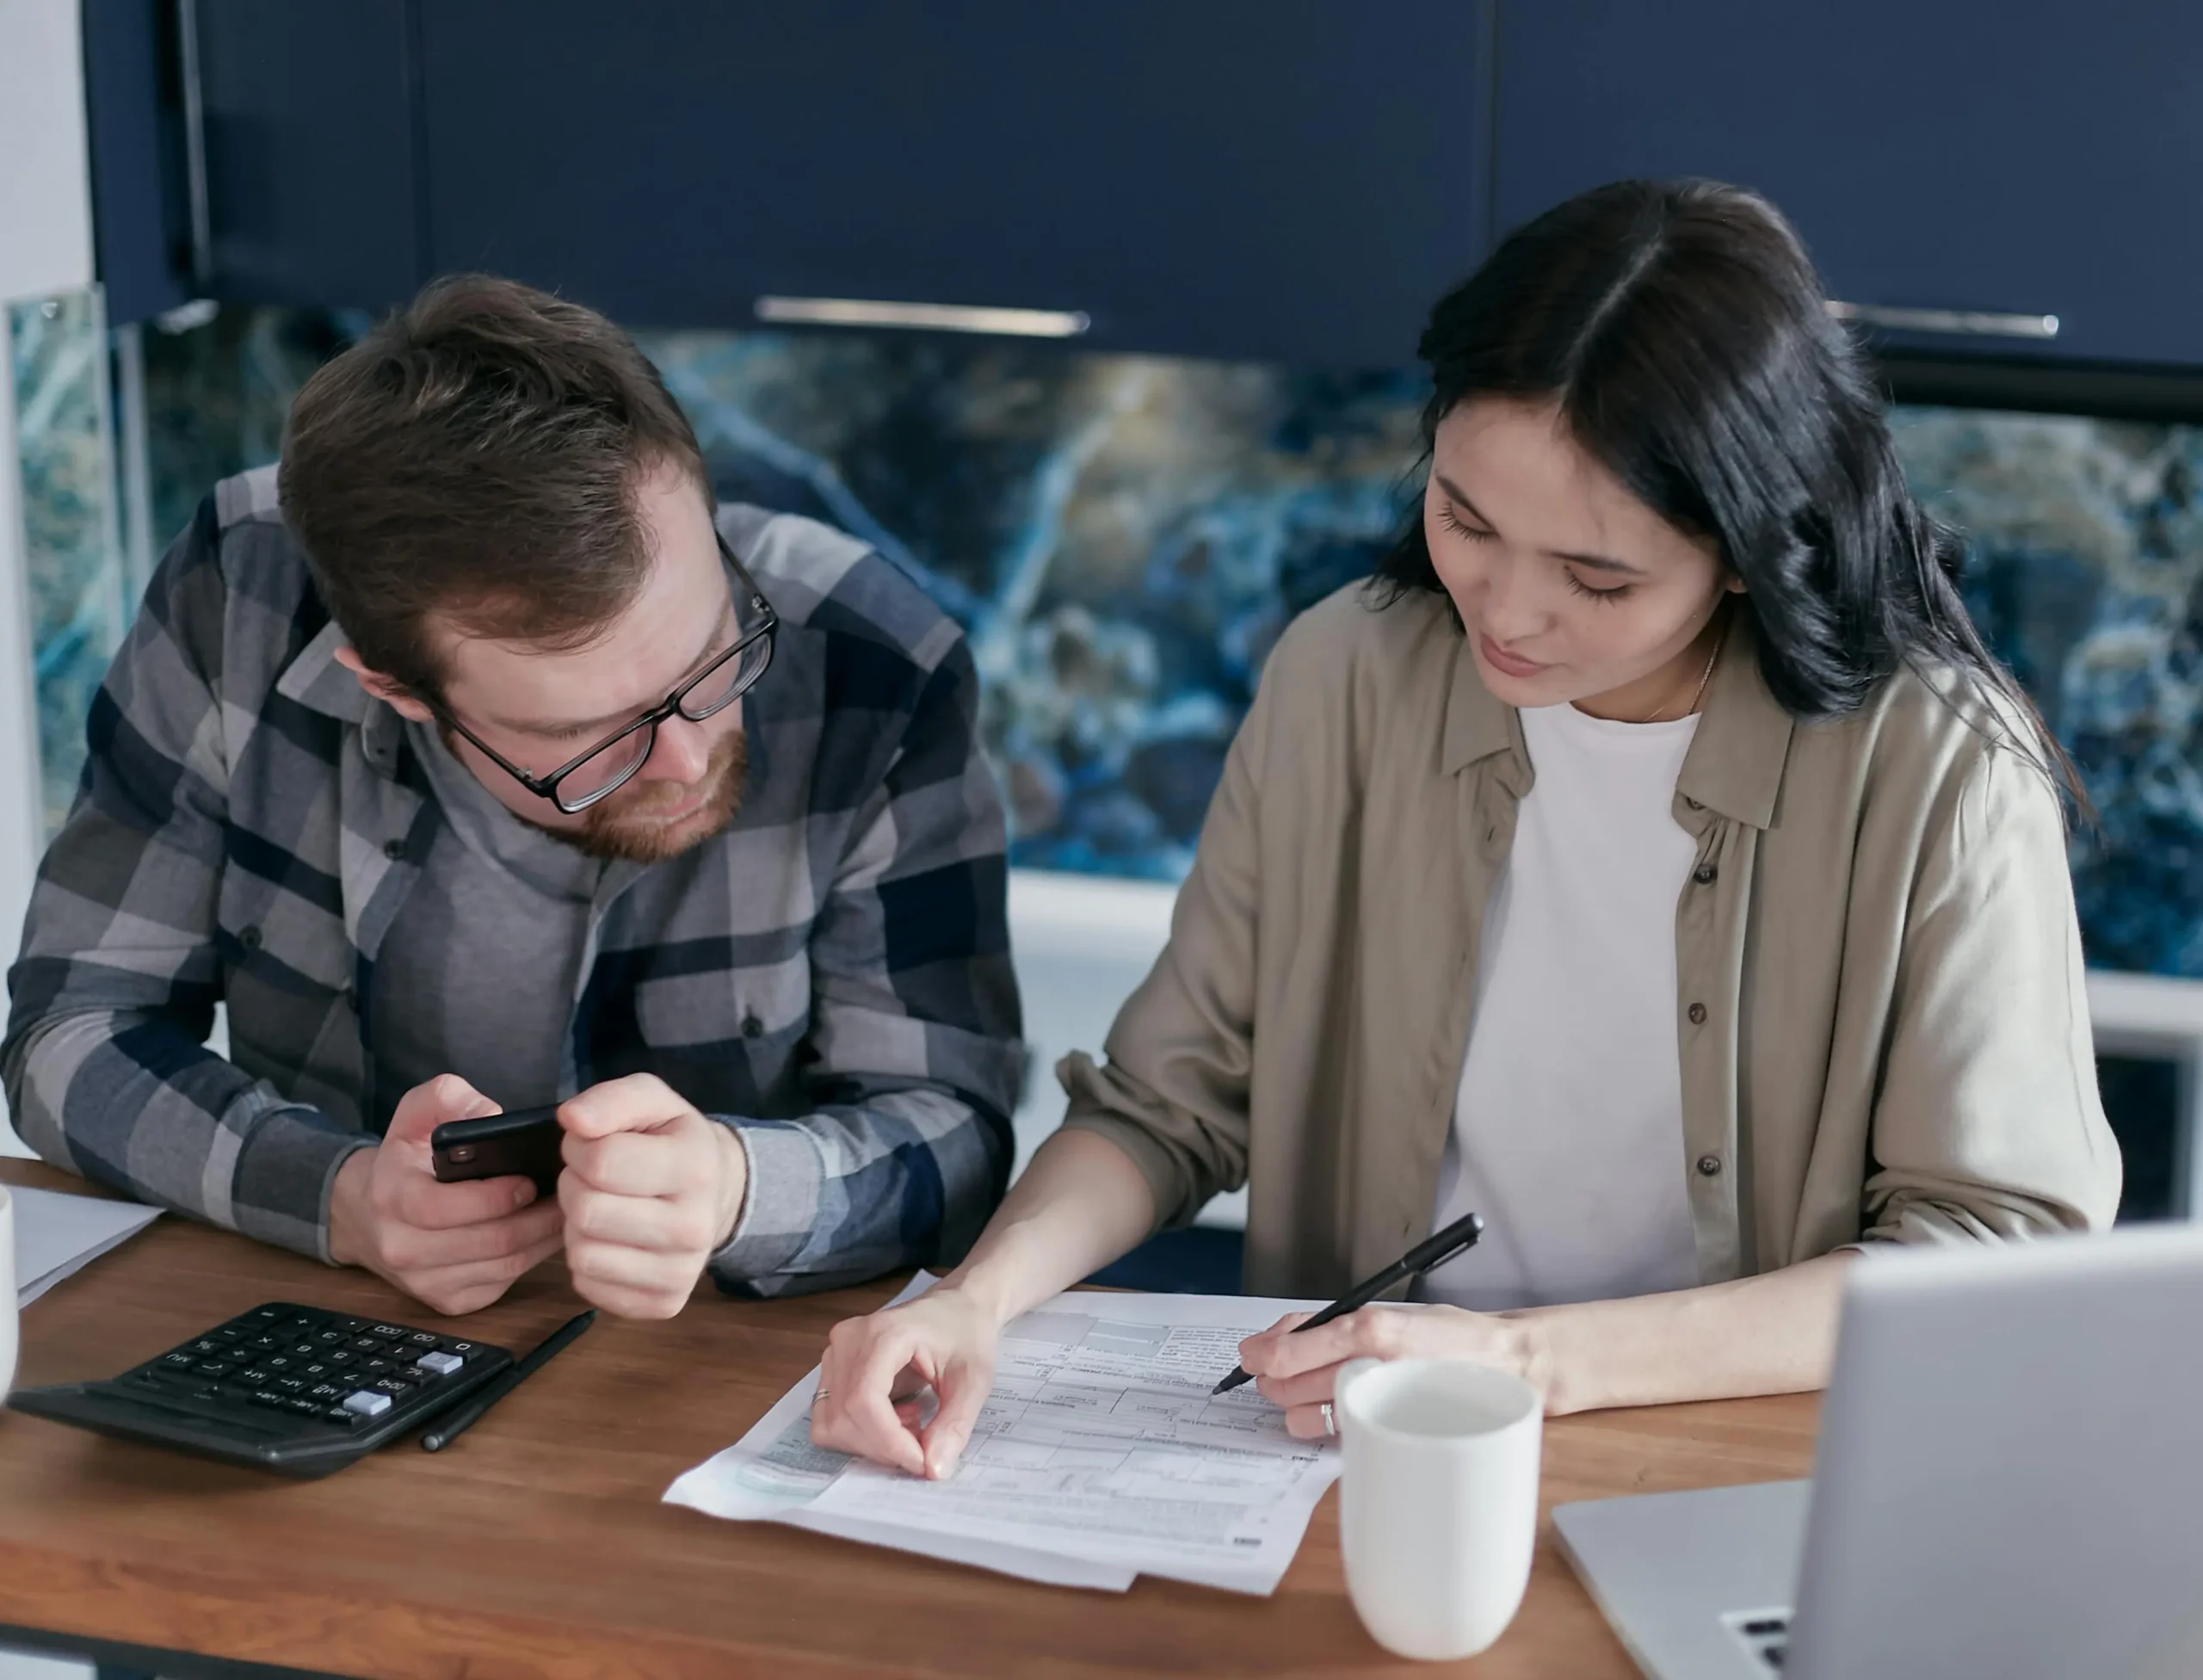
522	1194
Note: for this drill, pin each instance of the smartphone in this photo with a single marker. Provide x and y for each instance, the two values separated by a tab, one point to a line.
523	1143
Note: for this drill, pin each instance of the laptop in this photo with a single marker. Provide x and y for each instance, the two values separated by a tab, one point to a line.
2010	1482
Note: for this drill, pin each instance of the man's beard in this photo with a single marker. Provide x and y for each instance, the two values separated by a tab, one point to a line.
620	828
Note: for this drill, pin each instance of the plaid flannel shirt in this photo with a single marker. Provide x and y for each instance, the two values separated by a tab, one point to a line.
830	976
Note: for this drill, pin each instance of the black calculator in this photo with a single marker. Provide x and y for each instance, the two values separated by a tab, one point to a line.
297	1389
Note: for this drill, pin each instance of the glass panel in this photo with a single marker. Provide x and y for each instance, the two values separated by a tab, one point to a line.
79	604
1123	538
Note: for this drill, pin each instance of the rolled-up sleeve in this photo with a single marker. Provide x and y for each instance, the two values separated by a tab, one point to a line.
1173	1093
1988	1125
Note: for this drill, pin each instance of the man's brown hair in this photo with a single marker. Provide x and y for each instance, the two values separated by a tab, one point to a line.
478	454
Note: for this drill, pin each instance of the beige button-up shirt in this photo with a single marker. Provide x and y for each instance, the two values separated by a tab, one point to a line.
1880	1006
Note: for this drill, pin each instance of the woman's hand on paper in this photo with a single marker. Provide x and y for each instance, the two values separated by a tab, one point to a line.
877	1368
1299	1371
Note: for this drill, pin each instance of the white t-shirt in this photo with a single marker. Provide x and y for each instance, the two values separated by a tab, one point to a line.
1567	1130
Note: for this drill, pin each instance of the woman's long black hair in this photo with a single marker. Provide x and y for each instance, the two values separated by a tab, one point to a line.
1684	335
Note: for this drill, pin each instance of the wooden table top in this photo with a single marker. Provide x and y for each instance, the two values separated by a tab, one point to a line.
537	1545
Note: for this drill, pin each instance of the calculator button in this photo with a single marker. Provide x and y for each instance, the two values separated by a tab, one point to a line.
268	1397
327	1392
259	1376
342	1357
423	1337
300	1322
265	1313
211	1367
264	1344
440	1364
369	1343
330	1338
307	1350
179	1361
207	1346
292	1384
277	1362
464	1349
304	1407
376	1367
367	1405
396	1386
392	1330
336	1414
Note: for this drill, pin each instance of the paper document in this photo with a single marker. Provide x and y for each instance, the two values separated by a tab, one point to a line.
57	1236
1099	1456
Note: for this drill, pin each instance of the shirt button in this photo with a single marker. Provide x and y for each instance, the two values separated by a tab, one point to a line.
249	938
1705	874
752	1026
1709	1165
1697	1015
394	850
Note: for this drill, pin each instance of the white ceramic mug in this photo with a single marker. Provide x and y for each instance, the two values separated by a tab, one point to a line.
1438	1505
7	1315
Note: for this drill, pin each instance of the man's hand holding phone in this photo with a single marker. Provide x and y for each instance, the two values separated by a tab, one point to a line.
651	1189
455	1248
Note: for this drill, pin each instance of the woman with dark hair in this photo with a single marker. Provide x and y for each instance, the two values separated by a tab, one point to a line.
1651	858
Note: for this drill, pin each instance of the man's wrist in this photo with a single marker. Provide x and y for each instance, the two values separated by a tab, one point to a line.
734	1183
347	1208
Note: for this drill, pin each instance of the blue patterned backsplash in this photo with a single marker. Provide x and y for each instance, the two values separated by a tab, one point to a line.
80	597
1124	537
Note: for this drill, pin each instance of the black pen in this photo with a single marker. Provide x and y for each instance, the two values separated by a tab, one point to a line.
1458	1237
449	1429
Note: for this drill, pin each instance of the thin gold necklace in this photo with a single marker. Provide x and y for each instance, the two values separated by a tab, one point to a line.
1705	676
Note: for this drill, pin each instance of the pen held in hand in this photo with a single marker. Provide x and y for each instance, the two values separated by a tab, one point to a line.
1456	1239
448	1429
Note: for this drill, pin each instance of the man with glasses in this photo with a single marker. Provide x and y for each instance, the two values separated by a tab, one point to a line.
474	761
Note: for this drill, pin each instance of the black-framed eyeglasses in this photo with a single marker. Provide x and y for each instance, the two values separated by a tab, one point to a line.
583	779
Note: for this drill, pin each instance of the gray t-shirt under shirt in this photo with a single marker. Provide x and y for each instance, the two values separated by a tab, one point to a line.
477	975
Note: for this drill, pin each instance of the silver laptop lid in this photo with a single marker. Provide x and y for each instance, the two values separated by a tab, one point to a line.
2009	1479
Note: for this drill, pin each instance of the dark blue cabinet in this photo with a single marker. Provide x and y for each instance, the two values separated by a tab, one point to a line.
1282	179
1266	178
2026	157
135	115
309	158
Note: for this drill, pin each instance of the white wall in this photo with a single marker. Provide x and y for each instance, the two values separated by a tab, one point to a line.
46	247
46	214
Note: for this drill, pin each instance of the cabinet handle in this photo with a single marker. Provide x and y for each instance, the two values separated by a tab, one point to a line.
925	317
1979	322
